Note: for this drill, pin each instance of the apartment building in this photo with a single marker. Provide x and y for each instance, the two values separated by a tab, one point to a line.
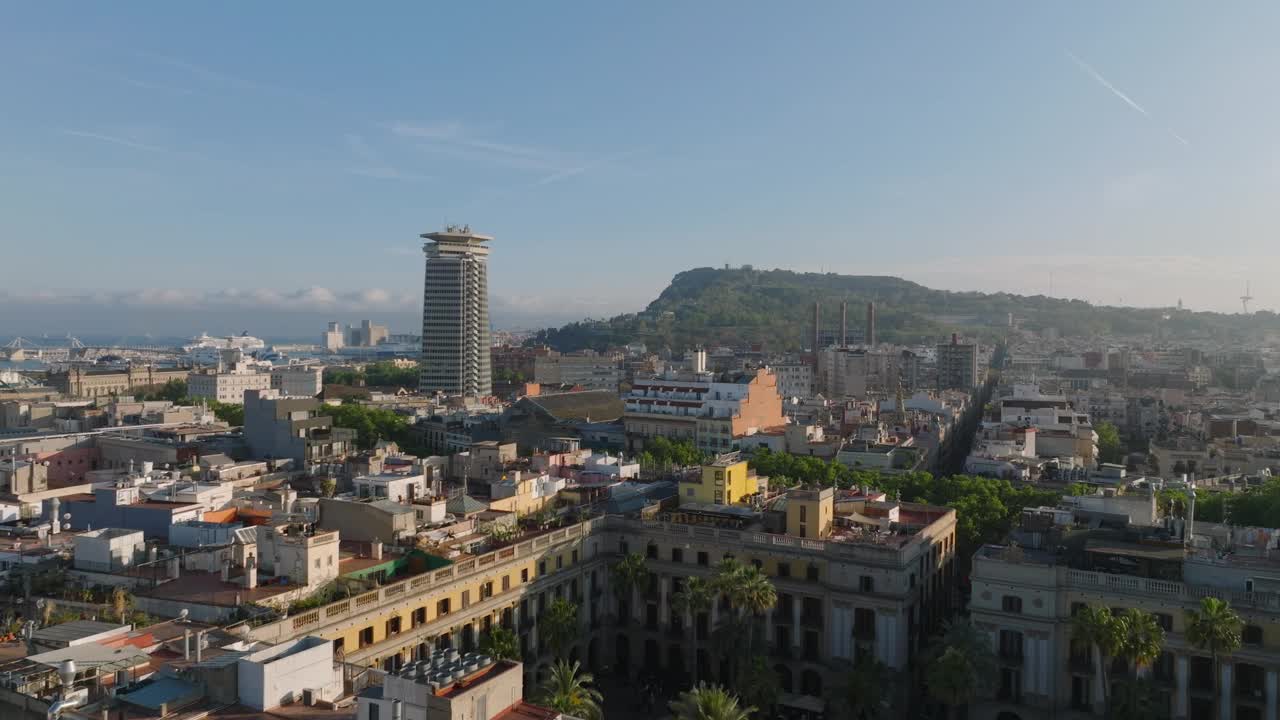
588	369
226	387
277	427
1026	595
795	379
854	577
297	380
957	365
712	413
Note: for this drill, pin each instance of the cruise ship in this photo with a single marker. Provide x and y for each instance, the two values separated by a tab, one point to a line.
204	349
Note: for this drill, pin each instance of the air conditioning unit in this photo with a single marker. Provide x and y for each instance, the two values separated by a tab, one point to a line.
309	697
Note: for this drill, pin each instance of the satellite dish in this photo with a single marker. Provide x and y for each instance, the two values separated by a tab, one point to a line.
182	615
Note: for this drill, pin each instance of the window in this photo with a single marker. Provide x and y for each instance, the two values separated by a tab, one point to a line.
1010	645
812	572
1165	620
677	555
866	583
1076	607
559	561
804	513
784	569
542	567
442	607
466	598
524	575
1011	604
622	547
702	559
1251	635
574	557
651	551
506	583
688	492
374	709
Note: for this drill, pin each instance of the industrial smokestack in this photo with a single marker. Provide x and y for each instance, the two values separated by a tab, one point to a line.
817	324
844	324
871	324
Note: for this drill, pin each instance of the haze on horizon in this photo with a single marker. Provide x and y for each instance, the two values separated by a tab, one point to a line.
1117	154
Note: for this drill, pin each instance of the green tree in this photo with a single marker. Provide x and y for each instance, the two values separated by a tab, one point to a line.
709	702
229	413
693	599
121	601
1142	639
571	692
559	626
1214	628
951	679
1095	627
628	575
865	688
500	644
328	486
1109	448
759	686
371	424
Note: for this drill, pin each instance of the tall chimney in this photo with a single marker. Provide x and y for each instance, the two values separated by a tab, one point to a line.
844	324
1191	515
817	324
871	324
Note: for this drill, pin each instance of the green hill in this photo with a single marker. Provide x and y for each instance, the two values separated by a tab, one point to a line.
710	306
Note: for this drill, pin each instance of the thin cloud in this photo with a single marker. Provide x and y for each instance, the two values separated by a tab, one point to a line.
153	86
453	139
372	165
585	167
123	142
1104	82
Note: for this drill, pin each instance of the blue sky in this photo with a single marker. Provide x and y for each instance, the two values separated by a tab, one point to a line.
288	154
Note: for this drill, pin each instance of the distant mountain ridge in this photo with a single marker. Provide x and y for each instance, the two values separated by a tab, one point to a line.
729	306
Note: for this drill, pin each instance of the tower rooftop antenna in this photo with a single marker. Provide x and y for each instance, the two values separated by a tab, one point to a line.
1246	298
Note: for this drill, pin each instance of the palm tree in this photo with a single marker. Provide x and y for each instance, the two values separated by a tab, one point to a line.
951	679
864	689
571	692
629	575
974	644
691	601
1141	641
1095	626
500	644
559	626
709	702
1215	628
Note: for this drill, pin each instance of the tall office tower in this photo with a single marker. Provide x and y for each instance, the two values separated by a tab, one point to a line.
455	314
871	324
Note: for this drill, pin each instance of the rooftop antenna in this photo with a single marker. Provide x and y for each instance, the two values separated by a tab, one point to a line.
1246	298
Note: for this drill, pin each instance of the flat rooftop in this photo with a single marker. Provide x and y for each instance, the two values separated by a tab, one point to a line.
69	632
208	589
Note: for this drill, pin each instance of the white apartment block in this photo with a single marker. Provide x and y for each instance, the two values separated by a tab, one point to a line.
297	380
794	379
226	387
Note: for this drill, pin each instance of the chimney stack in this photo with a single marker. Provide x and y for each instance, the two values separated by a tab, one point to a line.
871	324
817	324
844	324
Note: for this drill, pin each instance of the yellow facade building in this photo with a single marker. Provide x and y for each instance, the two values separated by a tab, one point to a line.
724	482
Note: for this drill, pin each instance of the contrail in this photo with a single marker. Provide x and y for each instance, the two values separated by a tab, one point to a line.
1120	93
